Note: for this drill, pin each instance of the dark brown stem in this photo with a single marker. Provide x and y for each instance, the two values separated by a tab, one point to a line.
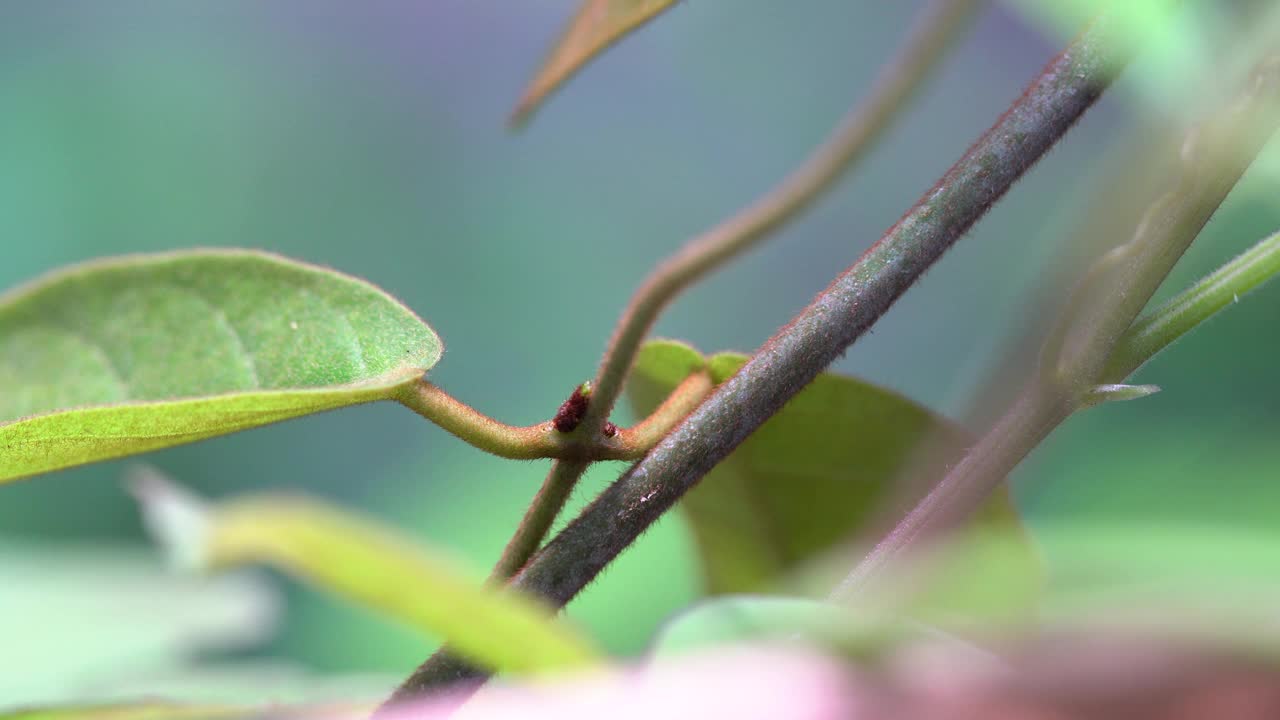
819	334
932	33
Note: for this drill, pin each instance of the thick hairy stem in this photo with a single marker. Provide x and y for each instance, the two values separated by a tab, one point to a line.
933	32
820	333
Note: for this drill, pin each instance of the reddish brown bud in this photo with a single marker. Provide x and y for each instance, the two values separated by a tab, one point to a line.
571	412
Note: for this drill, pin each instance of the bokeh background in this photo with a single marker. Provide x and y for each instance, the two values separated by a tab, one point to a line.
370	137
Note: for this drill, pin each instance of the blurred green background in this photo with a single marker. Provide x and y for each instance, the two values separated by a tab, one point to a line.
369	136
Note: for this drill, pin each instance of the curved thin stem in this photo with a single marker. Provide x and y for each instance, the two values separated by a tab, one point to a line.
819	334
479	430
925	44
1154	331
930	36
558	486
543	440
683	400
537	520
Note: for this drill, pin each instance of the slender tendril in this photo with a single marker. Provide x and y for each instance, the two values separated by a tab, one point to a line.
820	333
537	520
1156	330
903	75
932	33
930	36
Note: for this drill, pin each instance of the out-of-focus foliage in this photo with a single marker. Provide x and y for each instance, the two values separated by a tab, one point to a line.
154	710
368	138
355	558
79	620
814	476
1175	582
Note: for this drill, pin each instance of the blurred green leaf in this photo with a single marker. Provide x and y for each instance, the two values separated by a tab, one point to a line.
597	25
753	618
808	479
1172	580
1184	562
146	710
1177	39
354	558
137	353
240	682
1213	585
184	687
76	619
859	633
236	688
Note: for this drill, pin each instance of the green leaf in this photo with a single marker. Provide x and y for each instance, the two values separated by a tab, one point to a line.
860	633
354	558
247	683
1172	580
132	354
597	25
146	710
1197	582
734	619
810	478
186	686
77	620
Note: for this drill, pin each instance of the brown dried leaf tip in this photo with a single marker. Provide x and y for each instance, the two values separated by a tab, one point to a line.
571	411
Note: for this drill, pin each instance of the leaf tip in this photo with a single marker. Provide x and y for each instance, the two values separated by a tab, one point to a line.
597	25
520	115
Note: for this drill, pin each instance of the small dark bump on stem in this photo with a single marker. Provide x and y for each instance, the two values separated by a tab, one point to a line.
570	414
812	340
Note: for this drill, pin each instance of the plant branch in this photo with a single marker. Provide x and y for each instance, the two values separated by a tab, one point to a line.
682	401
537	520
1214	156
932	33
820	333
861	126
555	491
543	440
1156	330
480	430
